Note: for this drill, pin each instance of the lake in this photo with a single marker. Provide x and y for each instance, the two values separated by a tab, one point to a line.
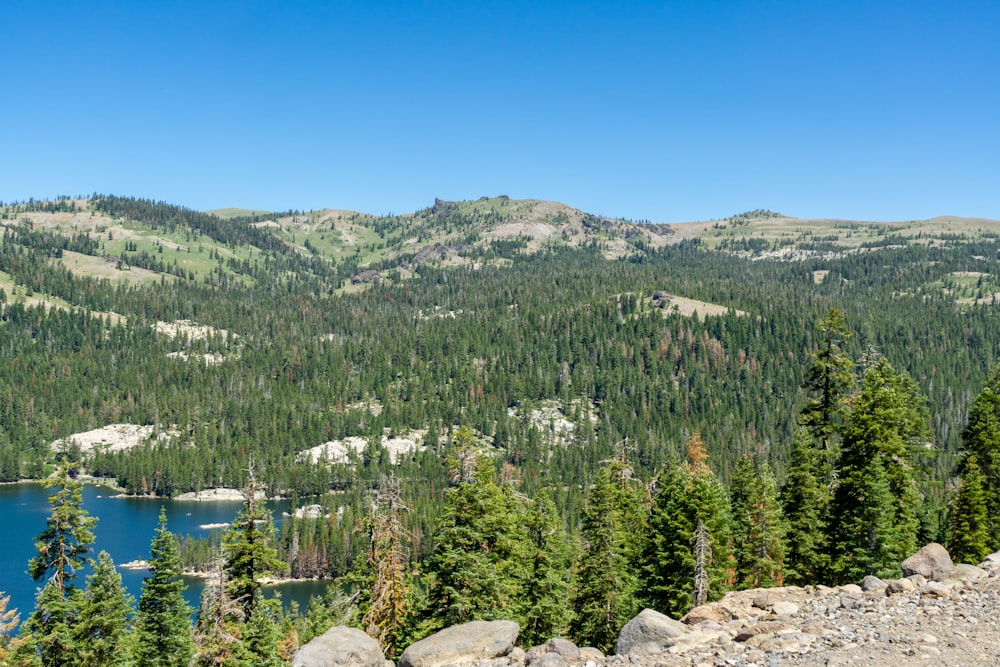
125	528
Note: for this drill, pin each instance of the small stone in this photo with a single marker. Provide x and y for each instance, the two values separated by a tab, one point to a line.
917	579
899	586
850	601
936	589
783	609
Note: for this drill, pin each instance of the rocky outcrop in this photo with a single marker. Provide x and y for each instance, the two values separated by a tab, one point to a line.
466	644
340	647
369	276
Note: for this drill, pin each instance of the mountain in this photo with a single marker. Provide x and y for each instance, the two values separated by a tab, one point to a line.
336	346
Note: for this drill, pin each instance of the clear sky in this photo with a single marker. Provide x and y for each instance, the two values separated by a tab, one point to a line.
664	111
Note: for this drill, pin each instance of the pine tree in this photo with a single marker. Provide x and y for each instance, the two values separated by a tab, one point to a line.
9	619
479	547
67	538
546	569
220	627
806	504
385	582
887	423
676	556
969	530
104	616
262	634
865	538
606	584
61	547
162	625
828	378
758	525
981	438
248	548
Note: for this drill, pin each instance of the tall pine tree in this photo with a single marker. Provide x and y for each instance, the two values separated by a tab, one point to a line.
758	525
61	547
806	500
546	574
683	563
162	625
981	438
886	425
479	546
104	617
969	528
606	580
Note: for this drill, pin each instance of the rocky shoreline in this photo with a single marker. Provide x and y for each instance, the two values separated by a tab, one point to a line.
940	613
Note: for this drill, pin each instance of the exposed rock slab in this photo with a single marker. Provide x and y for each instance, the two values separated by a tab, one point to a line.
465	644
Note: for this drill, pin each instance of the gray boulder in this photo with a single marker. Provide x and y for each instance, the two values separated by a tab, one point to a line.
925	561
960	572
340	647
550	660
872	584
564	647
649	632
464	644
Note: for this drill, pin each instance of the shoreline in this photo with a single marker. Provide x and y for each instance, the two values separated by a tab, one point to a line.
140	565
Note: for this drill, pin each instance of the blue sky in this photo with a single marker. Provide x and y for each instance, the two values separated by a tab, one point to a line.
666	111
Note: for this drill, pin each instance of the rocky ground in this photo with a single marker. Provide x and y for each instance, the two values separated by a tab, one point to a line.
940	614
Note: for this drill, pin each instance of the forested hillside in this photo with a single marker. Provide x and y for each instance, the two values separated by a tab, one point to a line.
591	363
482	335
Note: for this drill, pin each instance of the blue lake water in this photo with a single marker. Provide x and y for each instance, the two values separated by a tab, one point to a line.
125	528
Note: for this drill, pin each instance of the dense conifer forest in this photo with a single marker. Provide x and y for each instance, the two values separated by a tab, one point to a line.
831	413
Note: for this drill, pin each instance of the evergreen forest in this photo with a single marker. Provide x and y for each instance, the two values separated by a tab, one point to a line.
610	415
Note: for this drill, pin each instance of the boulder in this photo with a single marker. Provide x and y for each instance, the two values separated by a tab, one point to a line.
925	561
463	644
340	647
872	584
936	589
535	653
550	660
960	572
712	613
564	647
784	609
649	632
899	586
